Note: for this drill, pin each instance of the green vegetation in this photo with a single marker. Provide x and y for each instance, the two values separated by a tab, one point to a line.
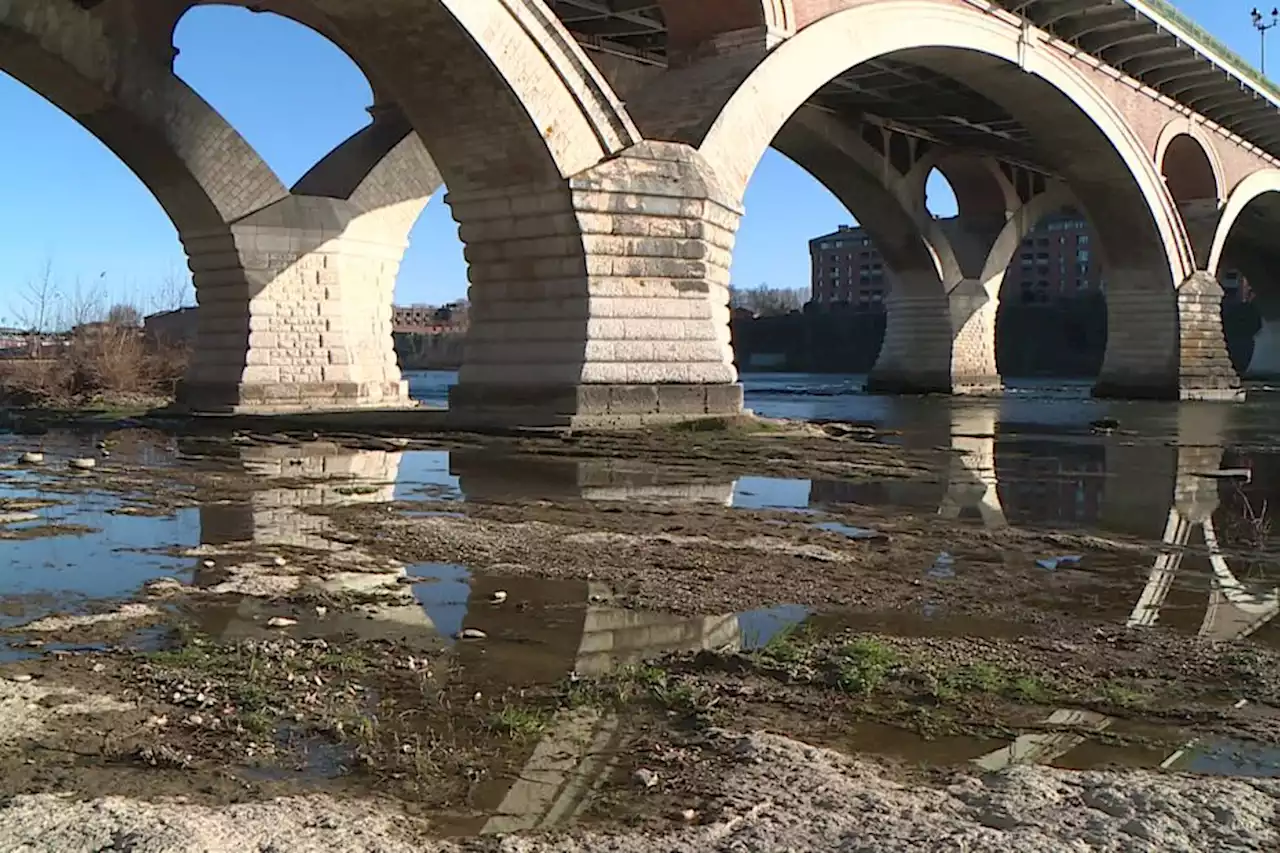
519	722
863	664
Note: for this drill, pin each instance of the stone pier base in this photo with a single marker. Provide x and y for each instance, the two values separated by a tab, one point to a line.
587	406
1265	363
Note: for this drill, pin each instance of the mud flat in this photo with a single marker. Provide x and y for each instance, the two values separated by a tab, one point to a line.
757	636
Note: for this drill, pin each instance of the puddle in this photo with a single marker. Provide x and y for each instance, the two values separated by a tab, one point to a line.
849	531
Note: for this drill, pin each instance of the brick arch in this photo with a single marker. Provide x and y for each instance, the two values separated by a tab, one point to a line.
1111	171
1251	189
498	90
1189	163
197	166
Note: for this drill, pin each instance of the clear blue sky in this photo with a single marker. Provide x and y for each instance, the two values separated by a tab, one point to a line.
65	199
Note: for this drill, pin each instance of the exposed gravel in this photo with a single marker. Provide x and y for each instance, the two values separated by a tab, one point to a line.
780	795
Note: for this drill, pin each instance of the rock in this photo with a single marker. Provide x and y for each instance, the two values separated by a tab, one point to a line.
471	634
498	597
20	678
688	815
32	458
279	561
645	778
99	667
83	463
208	564
281	622
321	610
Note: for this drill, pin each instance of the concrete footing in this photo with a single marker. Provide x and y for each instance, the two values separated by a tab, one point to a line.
486	405
280	397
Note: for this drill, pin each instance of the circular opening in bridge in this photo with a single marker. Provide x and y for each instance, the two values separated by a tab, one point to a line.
1051	325
1188	172
84	234
939	196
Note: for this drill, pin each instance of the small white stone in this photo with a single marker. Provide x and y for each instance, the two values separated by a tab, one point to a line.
281	622
32	458
99	667
321	610
646	778
279	561
688	815
471	634
84	463
208	564
499	596
21	678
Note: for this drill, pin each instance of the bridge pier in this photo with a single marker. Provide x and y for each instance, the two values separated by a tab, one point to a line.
600	301
295	309
1163	346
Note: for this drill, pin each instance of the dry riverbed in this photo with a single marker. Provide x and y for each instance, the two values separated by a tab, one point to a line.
563	661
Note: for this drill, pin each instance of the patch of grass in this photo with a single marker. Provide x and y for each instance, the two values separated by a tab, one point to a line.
1121	695
345	661
1027	688
863	664
519	722
786	646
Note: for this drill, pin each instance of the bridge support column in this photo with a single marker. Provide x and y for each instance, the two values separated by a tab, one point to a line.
601	301
1167	347
939	344
295	309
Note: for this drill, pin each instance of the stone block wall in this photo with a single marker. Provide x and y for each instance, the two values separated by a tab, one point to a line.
605	299
295	308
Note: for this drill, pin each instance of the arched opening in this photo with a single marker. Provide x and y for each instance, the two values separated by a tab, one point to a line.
939	196
807	283
291	93
1188	172
957	83
1245	259
310	111
82	232
1051	326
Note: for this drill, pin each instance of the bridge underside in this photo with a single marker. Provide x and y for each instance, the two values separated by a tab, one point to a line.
597	169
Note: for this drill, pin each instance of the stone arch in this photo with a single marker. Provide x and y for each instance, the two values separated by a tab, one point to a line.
754	111
1189	163
156	124
1245	193
499	91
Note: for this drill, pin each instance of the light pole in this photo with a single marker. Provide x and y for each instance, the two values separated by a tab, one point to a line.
1262	34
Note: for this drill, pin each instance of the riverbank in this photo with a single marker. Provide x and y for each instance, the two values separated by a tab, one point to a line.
436	639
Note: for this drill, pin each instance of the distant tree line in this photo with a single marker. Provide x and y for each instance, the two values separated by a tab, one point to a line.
766	301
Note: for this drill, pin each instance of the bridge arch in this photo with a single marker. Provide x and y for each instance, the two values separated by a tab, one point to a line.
794	71
1189	163
1262	186
693	24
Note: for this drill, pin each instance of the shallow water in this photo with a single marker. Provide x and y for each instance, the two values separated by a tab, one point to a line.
1033	458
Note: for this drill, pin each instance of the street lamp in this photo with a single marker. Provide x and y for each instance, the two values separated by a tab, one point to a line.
1262	33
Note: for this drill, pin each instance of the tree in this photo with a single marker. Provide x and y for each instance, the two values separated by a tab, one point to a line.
766	301
124	316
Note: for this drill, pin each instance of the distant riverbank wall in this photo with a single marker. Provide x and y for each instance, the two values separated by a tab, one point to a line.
1064	339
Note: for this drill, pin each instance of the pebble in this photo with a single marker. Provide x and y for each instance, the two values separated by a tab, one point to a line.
84	463
208	564
499	596
646	778
281	622
688	815
20	678
99	667
321	610
279	561
32	458
471	634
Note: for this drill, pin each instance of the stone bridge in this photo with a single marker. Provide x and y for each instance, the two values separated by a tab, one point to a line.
597	152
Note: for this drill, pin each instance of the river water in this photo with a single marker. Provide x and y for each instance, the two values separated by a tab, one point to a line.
1045	454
